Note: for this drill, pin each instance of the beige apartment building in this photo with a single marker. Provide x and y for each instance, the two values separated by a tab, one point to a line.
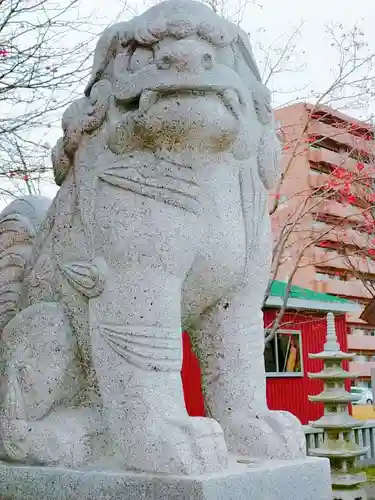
326	226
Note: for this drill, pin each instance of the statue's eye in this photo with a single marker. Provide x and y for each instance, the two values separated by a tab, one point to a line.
225	56
139	58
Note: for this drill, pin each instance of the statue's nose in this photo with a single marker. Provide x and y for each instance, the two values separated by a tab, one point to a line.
185	55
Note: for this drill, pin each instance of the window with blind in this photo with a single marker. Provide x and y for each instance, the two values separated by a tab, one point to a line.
283	354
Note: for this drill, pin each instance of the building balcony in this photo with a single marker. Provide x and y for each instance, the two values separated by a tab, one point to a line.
318	180
335	208
321	180
350	289
322	155
362	369
330	258
341	136
346	236
360	343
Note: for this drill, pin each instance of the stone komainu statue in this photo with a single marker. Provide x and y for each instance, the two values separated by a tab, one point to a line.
160	224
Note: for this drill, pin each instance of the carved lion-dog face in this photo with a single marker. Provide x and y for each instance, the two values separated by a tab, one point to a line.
181	77
178	77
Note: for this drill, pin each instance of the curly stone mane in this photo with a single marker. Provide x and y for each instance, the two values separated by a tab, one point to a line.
87	114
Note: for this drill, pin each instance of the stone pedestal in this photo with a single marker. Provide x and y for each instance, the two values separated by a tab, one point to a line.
303	479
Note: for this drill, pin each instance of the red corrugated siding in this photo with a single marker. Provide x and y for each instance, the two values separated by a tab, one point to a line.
291	393
284	393
191	380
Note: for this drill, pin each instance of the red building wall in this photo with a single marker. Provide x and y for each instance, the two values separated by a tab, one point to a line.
291	393
283	393
191	380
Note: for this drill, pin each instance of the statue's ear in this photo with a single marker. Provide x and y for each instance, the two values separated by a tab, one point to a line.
81	117
269	155
61	163
262	103
105	51
269	151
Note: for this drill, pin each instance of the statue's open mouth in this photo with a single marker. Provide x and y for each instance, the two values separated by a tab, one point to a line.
230	98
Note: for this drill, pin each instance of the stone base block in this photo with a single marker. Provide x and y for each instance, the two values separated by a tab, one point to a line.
370	490
350	494
304	479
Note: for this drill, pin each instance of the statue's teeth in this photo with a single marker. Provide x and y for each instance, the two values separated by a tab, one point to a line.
147	99
230	100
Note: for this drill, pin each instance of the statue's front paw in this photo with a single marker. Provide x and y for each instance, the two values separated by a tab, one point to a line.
185	446
267	435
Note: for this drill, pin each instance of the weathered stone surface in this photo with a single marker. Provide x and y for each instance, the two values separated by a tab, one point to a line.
160	224
303	479
370	490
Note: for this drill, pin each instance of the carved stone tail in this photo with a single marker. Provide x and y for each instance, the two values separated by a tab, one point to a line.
18	224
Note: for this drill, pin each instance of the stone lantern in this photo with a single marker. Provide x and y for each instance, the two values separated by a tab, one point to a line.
338	444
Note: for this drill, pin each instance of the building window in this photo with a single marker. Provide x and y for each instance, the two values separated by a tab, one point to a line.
322	277
353	128
326	274
360	383
360	358
318	168
327	277
283	354
363	331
